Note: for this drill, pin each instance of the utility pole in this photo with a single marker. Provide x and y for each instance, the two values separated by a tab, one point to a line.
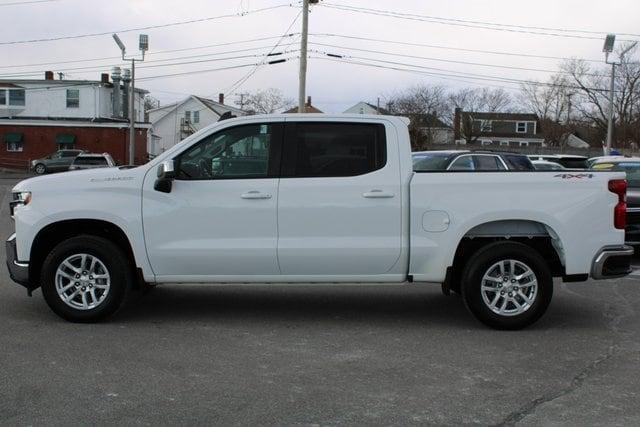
303	54
143	46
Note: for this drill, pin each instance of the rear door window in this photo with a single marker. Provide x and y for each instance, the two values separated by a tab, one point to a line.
487	163
463	163
519	163
325	149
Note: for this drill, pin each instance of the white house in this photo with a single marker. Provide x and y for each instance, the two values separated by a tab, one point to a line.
174	122
365	108
63	99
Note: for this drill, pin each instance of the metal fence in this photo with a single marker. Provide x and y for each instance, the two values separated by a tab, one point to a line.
14	164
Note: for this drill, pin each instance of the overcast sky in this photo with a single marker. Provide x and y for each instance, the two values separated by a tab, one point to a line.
334	86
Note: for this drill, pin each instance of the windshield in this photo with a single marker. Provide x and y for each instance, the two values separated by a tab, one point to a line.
430	161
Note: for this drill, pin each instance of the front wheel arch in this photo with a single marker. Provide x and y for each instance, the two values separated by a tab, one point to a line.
56	232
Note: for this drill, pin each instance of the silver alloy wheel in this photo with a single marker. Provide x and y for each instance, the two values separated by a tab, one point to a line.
40	169
82	281
509	287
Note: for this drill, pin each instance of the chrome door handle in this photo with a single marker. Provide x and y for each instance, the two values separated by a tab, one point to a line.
255	195
377	194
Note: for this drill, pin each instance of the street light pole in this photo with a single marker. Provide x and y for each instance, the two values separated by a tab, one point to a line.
607	49
610	121
132	115
143	46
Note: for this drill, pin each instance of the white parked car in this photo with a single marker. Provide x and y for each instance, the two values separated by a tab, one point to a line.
544	165
314	199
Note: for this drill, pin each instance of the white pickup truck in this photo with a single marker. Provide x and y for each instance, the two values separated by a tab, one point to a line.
314	199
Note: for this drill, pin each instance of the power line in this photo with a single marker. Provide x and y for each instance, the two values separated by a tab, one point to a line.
491	52
447	73
528	27
20	3
148	27
103	67
158	52
235	86
485	26
451	61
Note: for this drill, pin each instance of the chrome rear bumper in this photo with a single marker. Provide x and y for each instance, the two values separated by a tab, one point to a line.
612	262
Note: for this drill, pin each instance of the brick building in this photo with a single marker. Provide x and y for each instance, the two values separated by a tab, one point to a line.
38	117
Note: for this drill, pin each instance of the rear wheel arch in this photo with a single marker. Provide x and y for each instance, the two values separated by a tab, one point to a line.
538	236
57	232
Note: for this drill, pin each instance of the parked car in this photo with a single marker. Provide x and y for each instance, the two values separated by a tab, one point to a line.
593	160
303	216
569	161
56	162
545	165
92	161
631	166
466	160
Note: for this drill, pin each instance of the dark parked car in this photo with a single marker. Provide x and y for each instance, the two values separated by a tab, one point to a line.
56	162
630	165
465	160
92	161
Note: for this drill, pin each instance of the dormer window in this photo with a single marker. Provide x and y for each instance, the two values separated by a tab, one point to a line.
521	127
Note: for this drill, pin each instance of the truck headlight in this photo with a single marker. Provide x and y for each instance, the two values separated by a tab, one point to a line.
19	198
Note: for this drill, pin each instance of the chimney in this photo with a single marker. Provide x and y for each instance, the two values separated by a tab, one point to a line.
221	98
308	101
456	123
117	96
126	80
104	78
48	75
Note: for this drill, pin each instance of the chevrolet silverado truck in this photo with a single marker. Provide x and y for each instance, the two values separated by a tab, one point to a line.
314	199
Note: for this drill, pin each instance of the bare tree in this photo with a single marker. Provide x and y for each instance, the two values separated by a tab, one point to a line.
592	89
266	101
424	105
149	104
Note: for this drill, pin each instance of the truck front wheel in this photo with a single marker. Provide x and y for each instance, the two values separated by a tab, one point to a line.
85	278
507	285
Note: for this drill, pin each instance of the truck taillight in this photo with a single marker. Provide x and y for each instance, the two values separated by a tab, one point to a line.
619	187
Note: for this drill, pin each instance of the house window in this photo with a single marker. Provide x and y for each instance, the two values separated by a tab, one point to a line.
187	116
3	97
14	147
73	98
503	143
486	142
486	126
14	142
196	117
16	97
521	127
524	143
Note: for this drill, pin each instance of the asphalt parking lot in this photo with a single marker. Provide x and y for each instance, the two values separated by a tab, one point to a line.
374	355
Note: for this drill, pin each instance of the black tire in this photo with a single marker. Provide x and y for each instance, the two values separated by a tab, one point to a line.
481	263
118	266
40	169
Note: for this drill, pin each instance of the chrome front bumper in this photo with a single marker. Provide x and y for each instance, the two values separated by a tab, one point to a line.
612	262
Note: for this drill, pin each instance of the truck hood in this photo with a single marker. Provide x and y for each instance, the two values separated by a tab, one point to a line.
89	178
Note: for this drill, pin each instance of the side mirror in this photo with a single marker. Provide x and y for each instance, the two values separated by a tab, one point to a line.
166	170
166	174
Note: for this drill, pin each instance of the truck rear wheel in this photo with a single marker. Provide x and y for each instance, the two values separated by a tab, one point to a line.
85	278
507	285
